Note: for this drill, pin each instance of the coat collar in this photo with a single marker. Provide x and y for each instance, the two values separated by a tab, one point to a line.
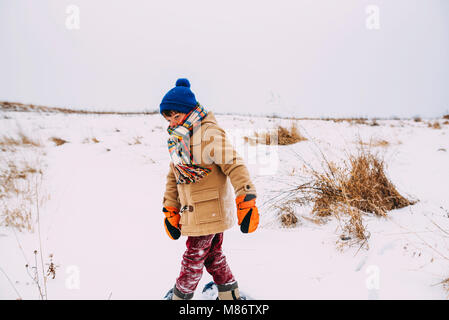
210	118
199	131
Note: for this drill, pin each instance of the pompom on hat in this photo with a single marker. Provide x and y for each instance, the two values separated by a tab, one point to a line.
180	98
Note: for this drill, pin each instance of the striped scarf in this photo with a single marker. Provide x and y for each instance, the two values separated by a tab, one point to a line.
186	171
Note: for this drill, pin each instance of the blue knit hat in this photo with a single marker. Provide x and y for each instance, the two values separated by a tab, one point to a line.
180	98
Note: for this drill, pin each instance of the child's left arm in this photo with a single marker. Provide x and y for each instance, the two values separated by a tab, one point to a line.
222	153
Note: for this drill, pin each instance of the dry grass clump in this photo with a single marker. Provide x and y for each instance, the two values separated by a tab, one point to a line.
417	119
435	125
287	216
368	187
58	141
136	140
347	192
359	121
289	219
376	143
286	136
352	121
381	143
19	217
22	107
362	184
281	136
92	139
21	140
17	195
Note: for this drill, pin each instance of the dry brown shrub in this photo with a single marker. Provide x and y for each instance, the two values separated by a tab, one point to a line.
375	143
88	140
17	192
284	136
417	119
21	107
359	121
58	141
18	217
21	140
286	214
347	192
361	186
25	140
446	122
353	121
381	143
368	188
288	217
435	125
446	116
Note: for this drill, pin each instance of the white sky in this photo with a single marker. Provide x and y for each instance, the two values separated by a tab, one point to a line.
307	57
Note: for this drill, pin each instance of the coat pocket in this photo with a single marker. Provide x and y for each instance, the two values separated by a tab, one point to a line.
207	206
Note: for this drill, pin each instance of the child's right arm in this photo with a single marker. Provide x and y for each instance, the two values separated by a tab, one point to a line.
170	207
171	191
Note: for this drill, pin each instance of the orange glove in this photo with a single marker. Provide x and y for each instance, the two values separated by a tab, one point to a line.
171	222
247	213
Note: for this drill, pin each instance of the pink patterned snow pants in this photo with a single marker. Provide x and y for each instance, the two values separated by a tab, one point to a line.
203	251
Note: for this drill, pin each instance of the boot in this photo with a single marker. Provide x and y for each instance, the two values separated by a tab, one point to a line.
228	291
175	294
178	295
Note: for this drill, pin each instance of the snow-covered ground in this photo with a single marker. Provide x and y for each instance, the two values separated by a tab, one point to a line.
101	219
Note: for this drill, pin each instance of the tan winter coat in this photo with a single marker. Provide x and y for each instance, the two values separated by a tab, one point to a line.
207	205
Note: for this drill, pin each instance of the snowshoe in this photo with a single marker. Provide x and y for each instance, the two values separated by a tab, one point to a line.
169	295
210	292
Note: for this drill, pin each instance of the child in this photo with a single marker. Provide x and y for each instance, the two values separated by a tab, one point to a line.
193	204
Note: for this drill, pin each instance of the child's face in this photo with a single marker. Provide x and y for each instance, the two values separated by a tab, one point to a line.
175	119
